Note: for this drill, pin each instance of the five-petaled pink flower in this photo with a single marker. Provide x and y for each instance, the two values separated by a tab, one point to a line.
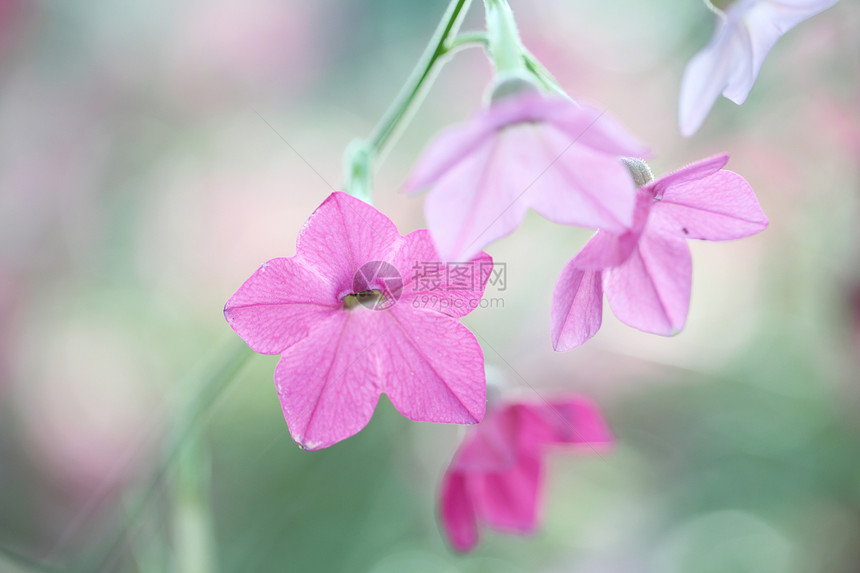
646	272
730	63
352	318
525	150
496	476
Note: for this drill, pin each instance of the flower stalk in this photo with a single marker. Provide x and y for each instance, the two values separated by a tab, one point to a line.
361	155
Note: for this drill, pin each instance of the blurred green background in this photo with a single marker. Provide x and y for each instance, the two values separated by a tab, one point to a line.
140	185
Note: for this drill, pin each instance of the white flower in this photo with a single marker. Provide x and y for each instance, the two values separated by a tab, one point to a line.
730	63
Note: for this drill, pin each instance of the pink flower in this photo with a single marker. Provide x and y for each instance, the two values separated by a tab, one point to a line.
352	318
646	272
730	63
496	475
525	150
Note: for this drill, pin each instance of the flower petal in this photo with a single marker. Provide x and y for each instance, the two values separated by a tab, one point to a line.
448	148
707	75
546	153
651	290
719	207
693	172
433	368
765	22
577	185
453	288
573	420
508	500
491	445
478	201
343	234
577	307
279	305
592	128
457	512
328	383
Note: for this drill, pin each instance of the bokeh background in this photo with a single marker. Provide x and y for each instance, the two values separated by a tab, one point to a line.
143	177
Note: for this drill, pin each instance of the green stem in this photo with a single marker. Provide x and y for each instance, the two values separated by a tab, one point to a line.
361	154
409	93
466	40
194	547
221	368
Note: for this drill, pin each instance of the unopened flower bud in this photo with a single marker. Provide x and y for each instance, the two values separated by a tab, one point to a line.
639	170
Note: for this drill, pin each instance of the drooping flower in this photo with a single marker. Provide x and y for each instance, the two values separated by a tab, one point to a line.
730	63
646	272
356	313
496	476
526	150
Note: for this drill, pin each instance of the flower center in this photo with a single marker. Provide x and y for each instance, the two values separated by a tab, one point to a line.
368	298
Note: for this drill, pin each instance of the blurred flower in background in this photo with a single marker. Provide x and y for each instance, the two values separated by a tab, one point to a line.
496	476
746	32
144	174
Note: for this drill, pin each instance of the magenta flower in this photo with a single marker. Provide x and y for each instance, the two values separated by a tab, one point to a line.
646	272
496	476
730	63
357	313
525	150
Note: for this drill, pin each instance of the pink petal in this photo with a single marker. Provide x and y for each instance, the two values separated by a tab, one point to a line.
491	445
707	75
577	307
525	151
448	148
477	201
433	368
279	305
719	207
487	195
567	421
586	125
576	185
343	234
429	365
453	288
508	500
592	128
693	172
457	512
328	383
605	249
651	291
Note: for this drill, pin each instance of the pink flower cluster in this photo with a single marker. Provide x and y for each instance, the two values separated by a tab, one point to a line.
340	312
345	312
563	160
